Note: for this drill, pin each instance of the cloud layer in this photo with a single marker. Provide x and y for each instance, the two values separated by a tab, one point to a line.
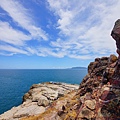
83	29
86	25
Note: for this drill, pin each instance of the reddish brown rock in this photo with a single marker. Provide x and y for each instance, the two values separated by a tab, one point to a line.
112	58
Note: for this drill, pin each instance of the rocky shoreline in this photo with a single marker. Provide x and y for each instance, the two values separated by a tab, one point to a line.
38	99
98	96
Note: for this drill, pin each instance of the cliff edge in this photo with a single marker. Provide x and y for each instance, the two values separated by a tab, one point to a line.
38	99
98	96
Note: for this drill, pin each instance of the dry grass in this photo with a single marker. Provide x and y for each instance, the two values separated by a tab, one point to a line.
52	109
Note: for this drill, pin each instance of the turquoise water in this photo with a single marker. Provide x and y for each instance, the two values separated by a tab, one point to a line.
15	83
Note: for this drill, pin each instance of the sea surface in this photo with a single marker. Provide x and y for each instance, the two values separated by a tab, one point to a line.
15	83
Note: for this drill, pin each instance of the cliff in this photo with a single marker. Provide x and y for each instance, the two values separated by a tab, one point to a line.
38	99
98	96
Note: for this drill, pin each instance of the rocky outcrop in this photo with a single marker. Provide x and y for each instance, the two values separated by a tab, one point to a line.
102	84
38	99
98	96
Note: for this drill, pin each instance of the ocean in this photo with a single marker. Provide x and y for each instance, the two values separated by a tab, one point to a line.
15	83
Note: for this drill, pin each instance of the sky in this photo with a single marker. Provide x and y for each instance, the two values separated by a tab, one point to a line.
52	34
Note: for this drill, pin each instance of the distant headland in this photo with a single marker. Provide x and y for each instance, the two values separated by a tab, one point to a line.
78	68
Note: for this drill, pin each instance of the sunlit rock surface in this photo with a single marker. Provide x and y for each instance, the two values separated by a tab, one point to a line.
38	99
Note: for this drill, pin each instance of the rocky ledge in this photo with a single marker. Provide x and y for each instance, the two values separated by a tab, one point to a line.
38	99
98	96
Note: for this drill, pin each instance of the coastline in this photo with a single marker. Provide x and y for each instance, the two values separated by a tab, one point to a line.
38	99
15	83
97	97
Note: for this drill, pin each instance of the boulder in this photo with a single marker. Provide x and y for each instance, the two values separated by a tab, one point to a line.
91	104
43	102
116	30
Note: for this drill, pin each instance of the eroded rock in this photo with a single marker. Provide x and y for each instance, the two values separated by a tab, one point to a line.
37	100
98	96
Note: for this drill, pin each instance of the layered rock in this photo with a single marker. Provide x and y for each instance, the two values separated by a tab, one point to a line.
98	96
37	99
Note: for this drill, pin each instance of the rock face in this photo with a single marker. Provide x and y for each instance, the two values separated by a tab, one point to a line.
98	96
37	99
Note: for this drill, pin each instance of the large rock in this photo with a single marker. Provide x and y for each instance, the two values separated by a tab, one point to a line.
26	109
116	31
37	100
116	35
91	104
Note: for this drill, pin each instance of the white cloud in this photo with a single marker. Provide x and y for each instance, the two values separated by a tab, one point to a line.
14	40
50	52
12	36
45	51
23	18
86	26
9	50
84	29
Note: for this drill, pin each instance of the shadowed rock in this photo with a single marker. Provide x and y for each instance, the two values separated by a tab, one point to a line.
116	35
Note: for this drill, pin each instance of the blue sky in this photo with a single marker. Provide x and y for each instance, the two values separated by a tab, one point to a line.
39	34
